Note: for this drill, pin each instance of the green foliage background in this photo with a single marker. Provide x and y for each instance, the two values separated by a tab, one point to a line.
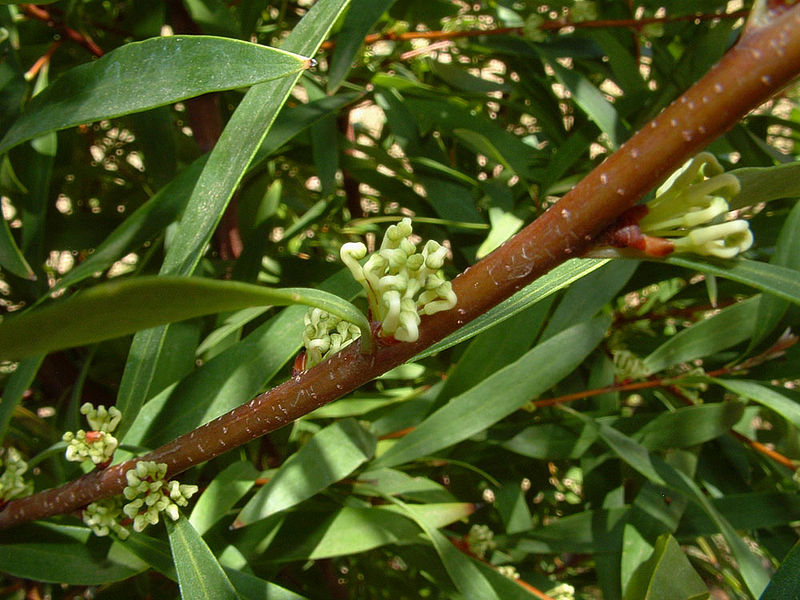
644	491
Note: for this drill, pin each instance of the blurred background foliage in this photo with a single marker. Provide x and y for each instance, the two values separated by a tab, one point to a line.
675	465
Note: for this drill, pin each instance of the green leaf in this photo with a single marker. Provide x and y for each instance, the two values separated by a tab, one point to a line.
560	277
65	554
786	581
143	75
660	472
200	576
667	574
255	588
730	326
494	349
787	254
226	489
329	456
150	218
552	441
500	394
766	277
119	307
504	225
14	390
227	163
591	100
690	426
762	184
11	258
465	574
391	482
361	17
351	529
591	531
231	378
586	296
766	396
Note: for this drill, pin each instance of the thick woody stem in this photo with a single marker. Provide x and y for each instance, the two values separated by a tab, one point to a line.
761	64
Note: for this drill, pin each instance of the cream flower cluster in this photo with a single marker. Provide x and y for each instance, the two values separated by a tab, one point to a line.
103	517
97	445
691	208
401	283
150	495
12	482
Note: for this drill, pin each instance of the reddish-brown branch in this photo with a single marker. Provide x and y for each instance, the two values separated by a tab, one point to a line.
635	24
760	65
41	14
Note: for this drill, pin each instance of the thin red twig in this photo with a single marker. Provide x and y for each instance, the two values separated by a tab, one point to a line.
41	14
635	24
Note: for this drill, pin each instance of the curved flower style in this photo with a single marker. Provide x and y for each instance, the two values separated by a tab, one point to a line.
690	207
688	214
97	445
151	495
401	284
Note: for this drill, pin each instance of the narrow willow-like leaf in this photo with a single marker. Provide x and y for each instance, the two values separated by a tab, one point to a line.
786	580
500	394
766	277
329	456
762	184
62	554
660	472
227	163
560	277
230	378
359	20
766	396
312	535
465	574
227	488
11	258
200	576
145	222
787	254
121	307
667	574
690	426
591	100
15	387
143	75
731	326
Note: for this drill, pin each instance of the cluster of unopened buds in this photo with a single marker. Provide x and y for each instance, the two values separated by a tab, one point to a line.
97	444
104	516
690	213
325	334
401	285
12	480
149	494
